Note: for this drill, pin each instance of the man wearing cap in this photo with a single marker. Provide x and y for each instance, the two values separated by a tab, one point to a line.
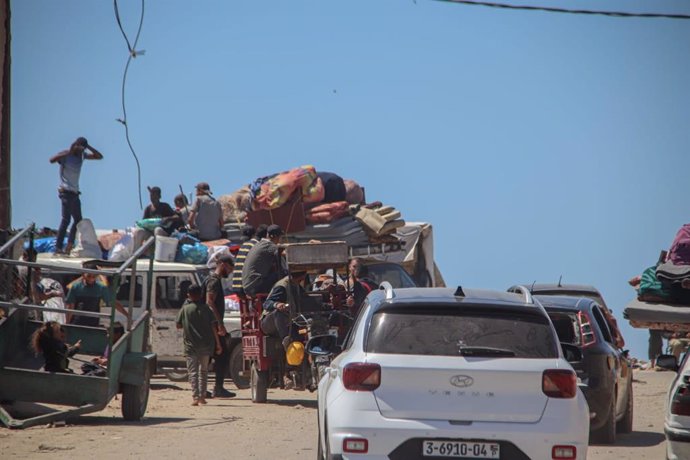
215	298
206	215
262	267
241	255
70	162
157	208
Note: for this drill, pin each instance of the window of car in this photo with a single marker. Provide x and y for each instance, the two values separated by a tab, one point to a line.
567	327
171	289
443	331
393	273
601	322
350	337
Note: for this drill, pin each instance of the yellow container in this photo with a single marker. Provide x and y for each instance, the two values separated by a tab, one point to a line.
295	353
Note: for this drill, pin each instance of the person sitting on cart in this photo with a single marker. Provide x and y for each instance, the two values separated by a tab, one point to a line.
275	319
49	340
262	266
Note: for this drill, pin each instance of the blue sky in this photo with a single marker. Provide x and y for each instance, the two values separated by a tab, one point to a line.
537	144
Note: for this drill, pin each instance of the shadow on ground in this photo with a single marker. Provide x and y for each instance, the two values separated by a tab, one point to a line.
637	439
308	403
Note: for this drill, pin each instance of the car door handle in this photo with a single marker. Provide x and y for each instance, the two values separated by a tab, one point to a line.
162	328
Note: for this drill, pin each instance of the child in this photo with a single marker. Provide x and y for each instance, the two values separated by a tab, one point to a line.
50	340
200	334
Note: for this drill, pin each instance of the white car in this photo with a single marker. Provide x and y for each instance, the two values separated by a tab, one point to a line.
677	422
441	373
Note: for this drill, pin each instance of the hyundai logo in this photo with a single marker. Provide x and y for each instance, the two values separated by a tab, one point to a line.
461	381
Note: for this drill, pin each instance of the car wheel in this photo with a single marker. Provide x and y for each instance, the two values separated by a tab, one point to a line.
235	367
177	374
607	433
259	384
625	425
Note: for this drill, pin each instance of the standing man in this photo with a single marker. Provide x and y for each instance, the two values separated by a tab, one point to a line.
251	241
70	162
200	333
206	215
86	294
215	298
262	267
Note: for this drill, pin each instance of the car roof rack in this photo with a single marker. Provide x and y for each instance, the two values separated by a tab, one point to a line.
522	290
386	286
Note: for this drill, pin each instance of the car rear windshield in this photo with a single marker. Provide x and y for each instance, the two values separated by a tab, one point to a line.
478	332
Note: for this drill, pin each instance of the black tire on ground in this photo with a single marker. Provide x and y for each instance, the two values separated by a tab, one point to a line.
178	374
259	384
135	398
625	425
607	433
235	367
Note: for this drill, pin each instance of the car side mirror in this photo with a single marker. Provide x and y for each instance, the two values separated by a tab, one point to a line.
668	362
571	353
323	345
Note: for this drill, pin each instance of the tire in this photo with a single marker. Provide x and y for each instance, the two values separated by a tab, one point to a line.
135	398
259	384
607	433
235	367
625	425
177	374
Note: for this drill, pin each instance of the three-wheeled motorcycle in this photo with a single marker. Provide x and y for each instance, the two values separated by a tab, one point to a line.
319	313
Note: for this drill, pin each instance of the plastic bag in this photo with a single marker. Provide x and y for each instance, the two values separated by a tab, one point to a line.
123	249
149	224
87	242
195	254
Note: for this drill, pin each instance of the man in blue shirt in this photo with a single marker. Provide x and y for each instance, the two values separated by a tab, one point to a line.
70	162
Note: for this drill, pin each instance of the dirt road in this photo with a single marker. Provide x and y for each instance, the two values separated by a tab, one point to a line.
238	429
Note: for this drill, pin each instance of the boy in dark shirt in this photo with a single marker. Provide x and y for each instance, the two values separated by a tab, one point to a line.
200	332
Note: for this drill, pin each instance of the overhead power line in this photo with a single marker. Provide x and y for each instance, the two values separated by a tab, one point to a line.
617	14
133	52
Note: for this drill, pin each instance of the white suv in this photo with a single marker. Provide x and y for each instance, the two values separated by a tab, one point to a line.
443	373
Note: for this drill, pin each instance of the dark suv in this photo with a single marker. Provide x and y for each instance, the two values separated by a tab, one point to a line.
605	372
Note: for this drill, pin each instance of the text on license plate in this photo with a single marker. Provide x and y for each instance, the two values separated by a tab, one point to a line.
461	449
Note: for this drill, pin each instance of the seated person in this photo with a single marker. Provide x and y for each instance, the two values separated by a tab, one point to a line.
98	365
49	339
275	319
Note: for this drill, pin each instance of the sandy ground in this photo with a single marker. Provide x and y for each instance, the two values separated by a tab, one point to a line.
284	428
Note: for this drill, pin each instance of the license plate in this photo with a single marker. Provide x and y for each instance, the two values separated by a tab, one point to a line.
461	449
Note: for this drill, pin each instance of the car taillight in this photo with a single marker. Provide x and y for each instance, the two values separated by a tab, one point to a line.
564	452
587	334
559	383
680	405
355	445
362	376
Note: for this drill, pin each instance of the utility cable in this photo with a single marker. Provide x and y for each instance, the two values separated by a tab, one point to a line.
617	14
133	52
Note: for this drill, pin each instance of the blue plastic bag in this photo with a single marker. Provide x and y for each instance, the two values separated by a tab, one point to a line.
192	254
46	244
149	224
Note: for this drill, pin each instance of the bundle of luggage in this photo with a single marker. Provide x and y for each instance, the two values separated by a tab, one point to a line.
669	280
324	195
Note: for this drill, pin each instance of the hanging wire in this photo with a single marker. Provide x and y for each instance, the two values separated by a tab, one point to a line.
133	52
617	14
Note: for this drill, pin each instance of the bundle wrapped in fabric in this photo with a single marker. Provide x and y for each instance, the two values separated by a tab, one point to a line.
325	213
274	191
236	205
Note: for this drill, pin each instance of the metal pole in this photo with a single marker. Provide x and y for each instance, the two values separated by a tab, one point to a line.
132	292
5	131
15	238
